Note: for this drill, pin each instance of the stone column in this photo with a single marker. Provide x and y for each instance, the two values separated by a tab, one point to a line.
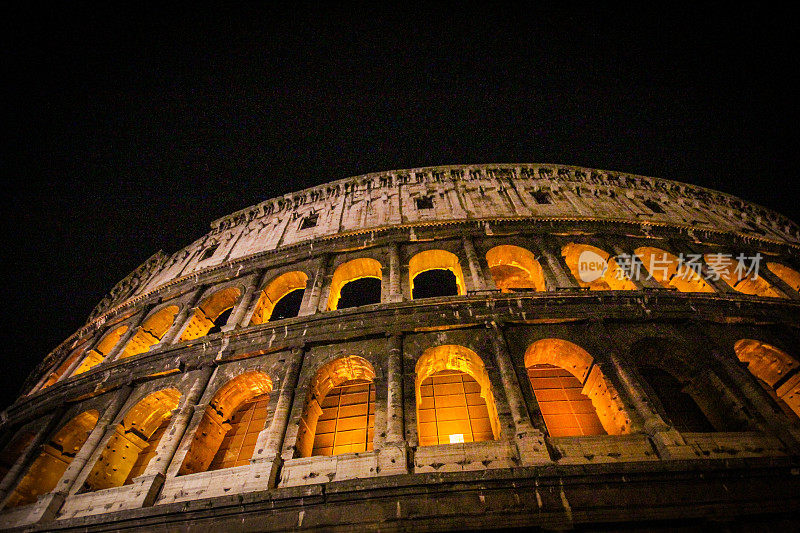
180	420
394	410
270	442
777	282
554	266
80	468
395	275
181	320
474	264
244	305
529	440
311	300
123	342
9	481
668	442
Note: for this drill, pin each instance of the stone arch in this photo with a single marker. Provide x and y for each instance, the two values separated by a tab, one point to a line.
326	428
151	332
437	260
513	267
594	268
361	268
210	313
668	271
56	455
776	370
789	275
59	372
275	291
729	271
467	411
97	355
574	395
227	433
134	442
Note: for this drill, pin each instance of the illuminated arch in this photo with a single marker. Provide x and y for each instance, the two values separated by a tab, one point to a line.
356	269
513	267
613	279
275	291
726	266
575	397
339	415
789	276
454	397
134	441
227	434
209	312
151	332
776	370
667	270
436	260
47	469
96	355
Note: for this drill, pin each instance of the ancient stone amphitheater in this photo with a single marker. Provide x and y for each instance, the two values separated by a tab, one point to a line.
437	348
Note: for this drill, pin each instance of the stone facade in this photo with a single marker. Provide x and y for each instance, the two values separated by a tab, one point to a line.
122	425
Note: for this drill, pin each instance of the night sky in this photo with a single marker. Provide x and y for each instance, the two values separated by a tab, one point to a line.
129	132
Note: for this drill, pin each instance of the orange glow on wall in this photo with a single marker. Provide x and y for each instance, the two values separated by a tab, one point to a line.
208	311
47	469
350	379
13	451
232	417
613	279
513	267
775	368
789	276
436	260
726	266
351	271
96	356
565	374
667	270
454	396
132	438
274	292
151	332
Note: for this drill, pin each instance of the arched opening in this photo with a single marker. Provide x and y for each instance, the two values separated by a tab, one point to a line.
227	434
134	442
427	280
13	451
678	407
775	370
345	292
56	455
789	276
96	356
513	268
151	332
736	275
339	416
281	298
454	397
595	269
668	271
62	368
212	313
575	397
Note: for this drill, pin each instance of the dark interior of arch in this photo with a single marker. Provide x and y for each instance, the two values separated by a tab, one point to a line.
220	321
362	291
288	306
432	283
679	407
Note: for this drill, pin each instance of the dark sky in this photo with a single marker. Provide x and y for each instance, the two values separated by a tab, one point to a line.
127	132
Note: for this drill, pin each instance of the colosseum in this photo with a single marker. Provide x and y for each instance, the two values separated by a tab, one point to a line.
459	347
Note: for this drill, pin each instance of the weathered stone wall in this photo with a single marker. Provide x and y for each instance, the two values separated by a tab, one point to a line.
524	476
